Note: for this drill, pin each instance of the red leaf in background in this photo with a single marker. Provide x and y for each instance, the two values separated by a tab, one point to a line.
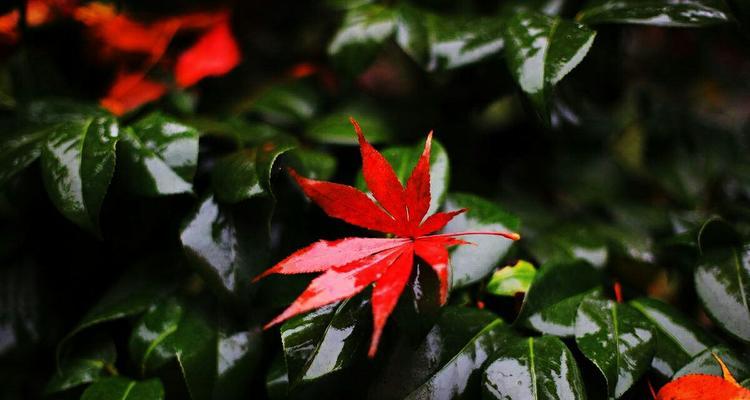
350	265
215	54
704	387
38	12
130	91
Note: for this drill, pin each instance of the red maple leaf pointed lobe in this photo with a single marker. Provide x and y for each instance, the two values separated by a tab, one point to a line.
387	291
417	193
380	178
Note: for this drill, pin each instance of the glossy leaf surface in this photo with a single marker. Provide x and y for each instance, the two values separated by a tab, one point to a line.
362	32
246	173
93	361
705	363
78	162
325	340
161	155
693	13
472	263
533	368
19	150
541	50
722	280
510	280
551	304
678	339
124	389
617	339
448	363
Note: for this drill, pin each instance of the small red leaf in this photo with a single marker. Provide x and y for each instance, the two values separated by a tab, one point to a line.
348	204
323	255
130	91
215	54
436	255
387	291
381	179
437	221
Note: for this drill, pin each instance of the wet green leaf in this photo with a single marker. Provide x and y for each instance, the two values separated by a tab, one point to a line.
151	340
449	361
246	173
124	389
89	363
551	304
78	162
227	245
239	355
722	280
160	156
678	339
510	280
286	103
362	32
533	368
335	128
470	264
617	339
541	50
325	340
19	150
565	242
312	164
692	13
705	363
404	159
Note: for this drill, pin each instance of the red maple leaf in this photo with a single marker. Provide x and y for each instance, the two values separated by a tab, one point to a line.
214	54
704	387
349	265
130	91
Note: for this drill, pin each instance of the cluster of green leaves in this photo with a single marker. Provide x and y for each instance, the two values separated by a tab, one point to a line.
129	243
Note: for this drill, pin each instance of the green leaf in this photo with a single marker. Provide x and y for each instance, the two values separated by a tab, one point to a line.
78	161
19	150
533	368
227	245
124	389
617	339
449	360
445	42
277	379
312	164
325	340
150	342
85	365
286	103
570	242
691	13
335	128
358	40
541	50
510	280
722	280
470	264
678	339
160	156
239	355
705	363
246	173
551	303
403	160
132	295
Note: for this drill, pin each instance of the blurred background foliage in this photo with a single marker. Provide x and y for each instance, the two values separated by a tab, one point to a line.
613	135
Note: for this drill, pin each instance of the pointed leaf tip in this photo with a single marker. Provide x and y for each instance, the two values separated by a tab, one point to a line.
724	370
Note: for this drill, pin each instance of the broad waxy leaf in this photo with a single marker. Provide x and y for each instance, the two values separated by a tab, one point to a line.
678	338
440	42
551	304
161	155
571	242
19	150
84	366
350	265
533	368
404	159
311	163
226	246
617	339
334	127
286	103
691	13
541	50
78	161
705	387
722	280
151	340
705	363
246	173
325	340
238	357
124	389
470	264
358	40
510	280
449	361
